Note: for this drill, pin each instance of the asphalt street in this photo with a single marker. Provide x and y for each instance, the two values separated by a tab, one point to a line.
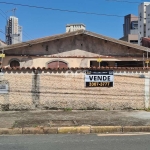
76	142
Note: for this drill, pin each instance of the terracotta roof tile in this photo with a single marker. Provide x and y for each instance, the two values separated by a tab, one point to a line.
77	68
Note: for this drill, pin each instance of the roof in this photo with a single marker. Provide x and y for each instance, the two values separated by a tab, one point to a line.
131	16
69	34
146	39
2	42
145	42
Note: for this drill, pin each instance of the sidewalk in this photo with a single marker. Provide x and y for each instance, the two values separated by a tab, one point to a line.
60	118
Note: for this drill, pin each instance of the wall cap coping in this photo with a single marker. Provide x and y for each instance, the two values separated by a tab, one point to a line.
78	68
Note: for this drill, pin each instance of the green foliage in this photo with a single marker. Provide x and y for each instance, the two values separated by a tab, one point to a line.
67	109
106	109
14	124
147	109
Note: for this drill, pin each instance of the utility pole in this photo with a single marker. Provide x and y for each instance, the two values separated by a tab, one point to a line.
2	55
147	61
99	60
143	60
147	58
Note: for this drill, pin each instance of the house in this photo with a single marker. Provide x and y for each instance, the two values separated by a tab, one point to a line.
79	48
33	86
2	43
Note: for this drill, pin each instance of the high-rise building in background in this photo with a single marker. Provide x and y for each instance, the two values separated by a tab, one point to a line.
148	21
13	31
143	22
130	29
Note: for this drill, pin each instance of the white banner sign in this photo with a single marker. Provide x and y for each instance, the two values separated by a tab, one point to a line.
99	78
3	87
96	78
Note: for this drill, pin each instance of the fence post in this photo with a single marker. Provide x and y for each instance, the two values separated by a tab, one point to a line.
147	90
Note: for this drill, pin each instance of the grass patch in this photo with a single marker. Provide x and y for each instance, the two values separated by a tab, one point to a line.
147	109
67	109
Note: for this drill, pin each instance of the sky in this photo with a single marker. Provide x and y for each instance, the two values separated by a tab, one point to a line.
38	23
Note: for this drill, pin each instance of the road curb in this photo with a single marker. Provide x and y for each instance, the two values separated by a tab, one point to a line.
105	129
31	130
74	130
10	131
136	129
48	130
79	129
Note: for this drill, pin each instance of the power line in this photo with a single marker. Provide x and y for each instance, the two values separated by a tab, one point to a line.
6	17
27	35
64	10
3	32
3	14
16	39
11	36
124	1
70	11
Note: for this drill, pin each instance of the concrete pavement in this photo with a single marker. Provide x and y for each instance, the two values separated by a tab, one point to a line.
76	121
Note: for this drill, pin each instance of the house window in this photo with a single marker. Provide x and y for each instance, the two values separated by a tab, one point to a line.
46	48
57	64
104	64
14	63
97	64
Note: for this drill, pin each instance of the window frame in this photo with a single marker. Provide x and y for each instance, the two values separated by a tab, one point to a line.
14	59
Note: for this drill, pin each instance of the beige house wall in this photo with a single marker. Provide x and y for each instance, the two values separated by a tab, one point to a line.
2	44
72	62
66	89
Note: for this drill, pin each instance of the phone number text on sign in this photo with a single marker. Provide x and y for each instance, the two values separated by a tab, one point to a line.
99	84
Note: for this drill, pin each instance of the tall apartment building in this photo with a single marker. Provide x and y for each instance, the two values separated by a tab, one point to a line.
130	29
143	12
13	31
148	21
